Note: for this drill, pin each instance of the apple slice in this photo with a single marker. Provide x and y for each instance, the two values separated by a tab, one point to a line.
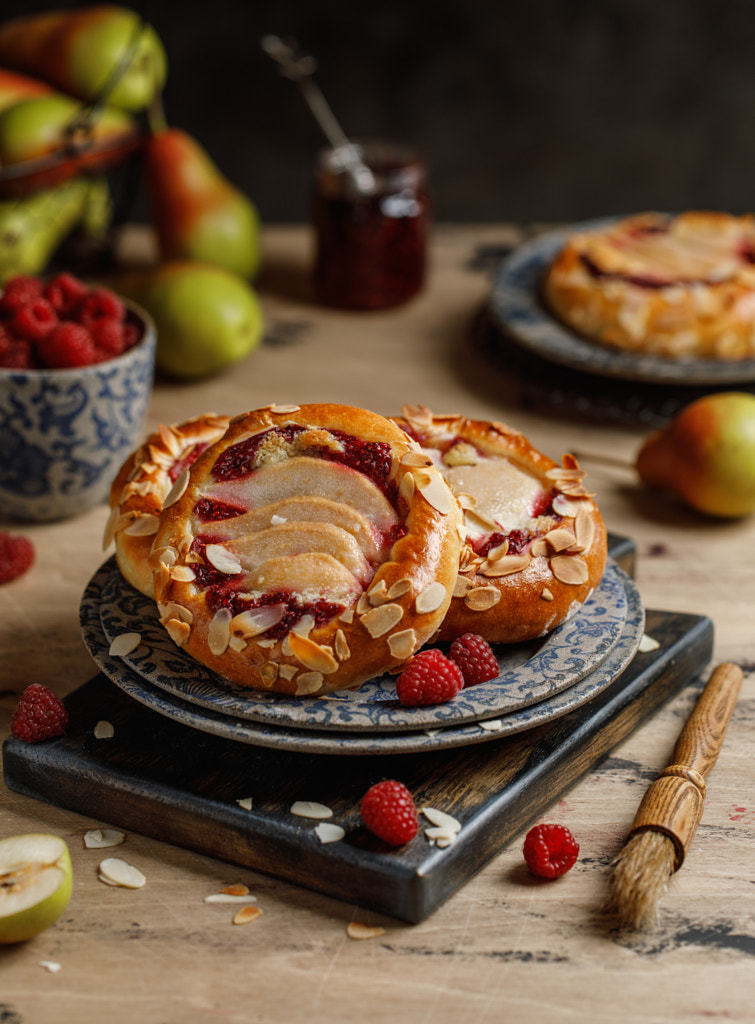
36	881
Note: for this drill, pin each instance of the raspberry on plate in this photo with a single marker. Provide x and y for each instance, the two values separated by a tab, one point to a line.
474	656
69	344
429	678
388	811
550	850
16	556
39	715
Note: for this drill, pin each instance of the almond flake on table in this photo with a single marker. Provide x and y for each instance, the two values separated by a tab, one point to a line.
310	809
357	930
50	965
329	833
247	914
245	802
118	873
647	644
100	838
124	644
104	731
230	897
441	819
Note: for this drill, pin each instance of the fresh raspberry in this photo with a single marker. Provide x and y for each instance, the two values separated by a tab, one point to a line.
474	656
429	678
388	811
39	715
35	320
69	344
16	354
131	333
108	336
550	850
19	291
64	293
16	556
97	303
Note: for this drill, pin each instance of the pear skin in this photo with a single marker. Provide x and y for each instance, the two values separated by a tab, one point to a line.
36	130
83	50
15	87
197	213
706	455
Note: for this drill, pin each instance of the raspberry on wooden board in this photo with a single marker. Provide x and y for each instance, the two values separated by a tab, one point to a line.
39	715
388	811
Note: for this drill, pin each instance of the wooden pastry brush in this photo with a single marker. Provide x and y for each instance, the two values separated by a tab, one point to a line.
672	807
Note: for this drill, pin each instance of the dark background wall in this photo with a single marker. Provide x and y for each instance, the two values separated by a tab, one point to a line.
530	110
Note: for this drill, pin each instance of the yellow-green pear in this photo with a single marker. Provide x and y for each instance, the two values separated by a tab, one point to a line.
706	455
36	882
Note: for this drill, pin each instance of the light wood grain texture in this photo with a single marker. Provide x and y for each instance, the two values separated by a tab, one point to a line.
505	947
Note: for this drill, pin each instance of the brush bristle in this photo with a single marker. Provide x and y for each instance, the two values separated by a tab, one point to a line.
640	877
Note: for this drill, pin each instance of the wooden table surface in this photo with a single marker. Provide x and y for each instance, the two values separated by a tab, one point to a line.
505	947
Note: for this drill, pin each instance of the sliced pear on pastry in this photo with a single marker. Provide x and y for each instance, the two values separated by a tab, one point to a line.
303	475
308	508
311	575
298	539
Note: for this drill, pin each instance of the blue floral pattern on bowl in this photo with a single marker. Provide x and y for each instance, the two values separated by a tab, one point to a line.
64	434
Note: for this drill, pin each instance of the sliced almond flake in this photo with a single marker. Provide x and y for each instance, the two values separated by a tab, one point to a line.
561	538
402	645
407	488
381	620
546	594
101	838
182	573
50	965
104	731
347	616
363	604
266	643
227	897
308	682
505	566
437	493
647	644
247	914
584	530
222	559
282	408
257	620
480	599
565	506
143	526
236	889
441	819
245	802
304	626
117	872
498	552
177	490
430	599
237	644
461	586
178	631
444	841
418	459
491	725
328	833
467	501
311	809
312	655
341	646
438	833
358	931
177	611
569	569
219	631
276	520
269	672
565	473
123	644
378	594
287	671
165	556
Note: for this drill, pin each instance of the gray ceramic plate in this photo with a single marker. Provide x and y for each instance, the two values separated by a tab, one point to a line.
516	304
319	742
529	672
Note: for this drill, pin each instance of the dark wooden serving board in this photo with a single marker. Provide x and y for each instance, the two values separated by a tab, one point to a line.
167	781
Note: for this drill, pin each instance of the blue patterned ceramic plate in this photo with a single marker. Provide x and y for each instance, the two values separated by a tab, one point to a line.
321	742
516	303
529	672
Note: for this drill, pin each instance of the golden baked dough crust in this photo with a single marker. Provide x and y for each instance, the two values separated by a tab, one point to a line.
671	286
143	483
314	547
535	546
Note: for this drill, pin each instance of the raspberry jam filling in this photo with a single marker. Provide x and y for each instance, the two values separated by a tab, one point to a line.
186	460
210	510
227	596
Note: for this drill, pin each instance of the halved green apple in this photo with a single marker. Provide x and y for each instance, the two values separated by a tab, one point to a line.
36	882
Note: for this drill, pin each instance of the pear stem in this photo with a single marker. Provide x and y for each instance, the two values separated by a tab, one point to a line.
605	460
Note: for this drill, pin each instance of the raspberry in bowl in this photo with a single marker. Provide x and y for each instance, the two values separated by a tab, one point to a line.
76	372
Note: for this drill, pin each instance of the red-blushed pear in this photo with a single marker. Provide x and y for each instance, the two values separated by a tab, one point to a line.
207	318
36	130
36	882
706	455
15	86
197	213
81	51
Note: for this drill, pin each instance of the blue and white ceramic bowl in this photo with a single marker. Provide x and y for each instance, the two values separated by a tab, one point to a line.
64	434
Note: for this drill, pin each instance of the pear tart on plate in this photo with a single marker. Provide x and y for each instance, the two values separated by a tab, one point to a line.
534	541
143	485
672	286
311	548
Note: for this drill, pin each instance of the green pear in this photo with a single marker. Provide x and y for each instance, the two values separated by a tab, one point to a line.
197	213
40	128
207	319
100	52
36	882
706	455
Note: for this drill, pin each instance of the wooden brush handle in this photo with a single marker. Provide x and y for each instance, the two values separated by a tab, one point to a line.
674	802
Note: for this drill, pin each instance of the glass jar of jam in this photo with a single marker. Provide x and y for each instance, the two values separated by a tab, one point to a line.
371	224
